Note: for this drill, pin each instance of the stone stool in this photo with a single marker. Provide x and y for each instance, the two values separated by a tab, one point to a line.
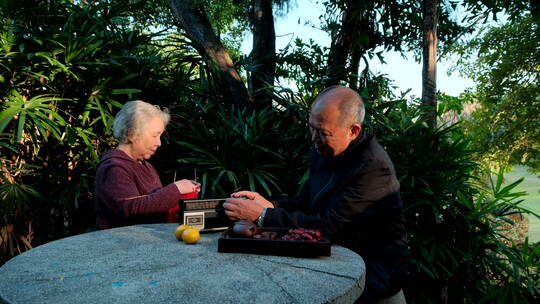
398	298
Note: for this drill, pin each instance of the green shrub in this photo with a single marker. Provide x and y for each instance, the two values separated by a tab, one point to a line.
232	149
457	252
65	70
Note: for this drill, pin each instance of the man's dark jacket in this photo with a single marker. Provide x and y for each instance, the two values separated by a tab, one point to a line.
354	198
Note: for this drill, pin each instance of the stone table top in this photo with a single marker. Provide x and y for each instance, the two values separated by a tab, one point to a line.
146	264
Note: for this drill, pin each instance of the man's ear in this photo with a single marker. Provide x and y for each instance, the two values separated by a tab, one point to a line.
355	130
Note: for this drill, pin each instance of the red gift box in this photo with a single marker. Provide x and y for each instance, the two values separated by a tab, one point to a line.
173	215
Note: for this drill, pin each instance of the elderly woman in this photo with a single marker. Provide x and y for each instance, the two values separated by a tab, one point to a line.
128	188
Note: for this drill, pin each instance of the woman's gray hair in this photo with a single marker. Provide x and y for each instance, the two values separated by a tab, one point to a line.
130	120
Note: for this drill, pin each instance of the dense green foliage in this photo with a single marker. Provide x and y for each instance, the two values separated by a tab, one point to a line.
65	70
454	217
507	123
394	25
262	151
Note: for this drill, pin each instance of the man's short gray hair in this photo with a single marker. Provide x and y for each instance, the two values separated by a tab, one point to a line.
130	120
351	107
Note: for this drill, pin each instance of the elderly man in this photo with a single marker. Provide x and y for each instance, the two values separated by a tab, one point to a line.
352	194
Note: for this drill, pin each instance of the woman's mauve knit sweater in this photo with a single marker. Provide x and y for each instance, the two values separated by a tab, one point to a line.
130	192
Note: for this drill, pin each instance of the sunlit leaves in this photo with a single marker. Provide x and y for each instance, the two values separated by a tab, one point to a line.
507	75
38	116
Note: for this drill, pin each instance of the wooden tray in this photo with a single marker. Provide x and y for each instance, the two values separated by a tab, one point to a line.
230	244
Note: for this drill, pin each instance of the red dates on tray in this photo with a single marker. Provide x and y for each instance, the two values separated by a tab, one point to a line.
302	234
299	242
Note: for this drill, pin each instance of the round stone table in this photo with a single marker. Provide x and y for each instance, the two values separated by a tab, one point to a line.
146	264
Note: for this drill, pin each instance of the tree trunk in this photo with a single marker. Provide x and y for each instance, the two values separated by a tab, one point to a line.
355	68
193	19
429	68
535	10
340	49
263	55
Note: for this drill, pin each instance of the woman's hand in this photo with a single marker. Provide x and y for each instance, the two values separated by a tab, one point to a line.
187	186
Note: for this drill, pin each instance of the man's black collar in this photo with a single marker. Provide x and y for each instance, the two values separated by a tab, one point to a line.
355	144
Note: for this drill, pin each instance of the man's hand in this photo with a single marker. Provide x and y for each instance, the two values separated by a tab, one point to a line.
256	197
245	205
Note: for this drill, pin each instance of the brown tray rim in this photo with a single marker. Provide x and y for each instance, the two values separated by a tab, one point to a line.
316	249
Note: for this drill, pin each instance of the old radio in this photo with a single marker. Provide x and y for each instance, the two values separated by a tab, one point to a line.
204	214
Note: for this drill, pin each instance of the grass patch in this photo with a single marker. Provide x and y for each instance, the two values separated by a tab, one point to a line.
531	185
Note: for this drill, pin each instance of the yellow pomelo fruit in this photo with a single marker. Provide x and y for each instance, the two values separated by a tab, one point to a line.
179	230
191	236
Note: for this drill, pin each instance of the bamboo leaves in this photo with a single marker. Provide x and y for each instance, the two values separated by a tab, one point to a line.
37	115
230	148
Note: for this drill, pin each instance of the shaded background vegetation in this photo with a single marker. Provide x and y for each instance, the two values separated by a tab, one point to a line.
66	67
